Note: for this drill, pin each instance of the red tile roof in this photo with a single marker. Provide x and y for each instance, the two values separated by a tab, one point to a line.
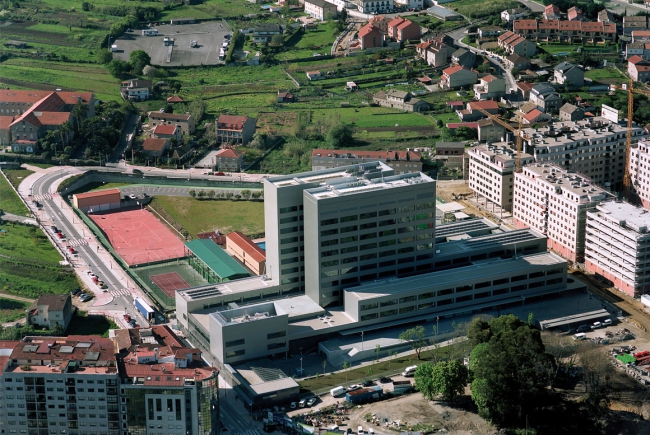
230	153
174	99
154	375
165	129
5	122
452	70
485	105
247	245
53	118
154	144
488	78
635	59
532	115
98	193
230	122
367	29
453	125
396	22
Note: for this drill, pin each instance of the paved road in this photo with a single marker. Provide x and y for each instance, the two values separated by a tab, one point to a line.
18	218
128	129
533	6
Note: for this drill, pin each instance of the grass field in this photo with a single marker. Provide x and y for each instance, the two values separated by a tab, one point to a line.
40	74
319	41
609	74
91	187
374	117
9	201
12	310
83	323
29	264
473	9
16	176
198	216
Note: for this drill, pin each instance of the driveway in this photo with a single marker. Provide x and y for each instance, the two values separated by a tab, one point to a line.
17	218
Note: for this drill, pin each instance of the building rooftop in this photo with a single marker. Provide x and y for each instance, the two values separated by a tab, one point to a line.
251	248
363	185
573	186
449	277
97	193
222	264
165	129
54	302
629	217
154	144
225	288
325	176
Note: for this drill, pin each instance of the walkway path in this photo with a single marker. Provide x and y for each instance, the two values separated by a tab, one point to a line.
17	298
18	218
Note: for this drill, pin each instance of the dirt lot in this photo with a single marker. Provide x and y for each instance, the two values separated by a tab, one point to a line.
413	409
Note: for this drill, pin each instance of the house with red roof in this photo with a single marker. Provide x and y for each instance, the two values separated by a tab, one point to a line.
638	68
174	99
237	130
165	131
434	52
154	147
371	37
229	160
401	29
186	122
551	12
456	77
472	112
565	30
514	43
247	252
489	87
380	22
575	14
27	116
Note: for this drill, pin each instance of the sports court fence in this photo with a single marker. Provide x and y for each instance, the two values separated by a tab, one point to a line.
164	302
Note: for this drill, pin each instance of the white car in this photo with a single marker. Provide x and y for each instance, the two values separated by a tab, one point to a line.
302	403
353	387
132	196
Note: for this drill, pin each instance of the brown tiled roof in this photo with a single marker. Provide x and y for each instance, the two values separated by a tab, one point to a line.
247	245
154	144
165	129
169	116
231	122
53	302
5	122
230	153
98	193
174	99
367	29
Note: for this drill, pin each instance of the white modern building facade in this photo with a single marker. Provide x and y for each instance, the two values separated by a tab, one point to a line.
640	170
555	202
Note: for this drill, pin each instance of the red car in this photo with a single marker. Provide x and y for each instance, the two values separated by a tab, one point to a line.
71	249
219	174
60	235
127	317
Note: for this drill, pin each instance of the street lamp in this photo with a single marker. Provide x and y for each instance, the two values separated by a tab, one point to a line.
361	340
437	320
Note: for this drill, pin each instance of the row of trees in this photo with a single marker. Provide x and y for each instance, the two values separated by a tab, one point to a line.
138	60
228	195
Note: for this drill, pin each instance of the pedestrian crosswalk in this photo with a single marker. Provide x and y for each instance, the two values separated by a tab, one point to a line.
78	242
43	197
121	292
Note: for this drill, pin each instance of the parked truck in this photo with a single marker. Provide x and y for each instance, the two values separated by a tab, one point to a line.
402	387
145	309
365	395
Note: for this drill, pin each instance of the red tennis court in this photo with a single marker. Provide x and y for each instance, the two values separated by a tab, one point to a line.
138	237
170	282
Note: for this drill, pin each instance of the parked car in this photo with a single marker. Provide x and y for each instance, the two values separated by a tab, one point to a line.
132	196
294	405
368	383
137	171
55	229
386	380
60	235
71	250
596	325
311	401
38	204
302	403
354	387
75	291
582	328
127	317
220	174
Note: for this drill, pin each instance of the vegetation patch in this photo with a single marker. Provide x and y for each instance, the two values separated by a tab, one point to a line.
12	310
83	323
9	200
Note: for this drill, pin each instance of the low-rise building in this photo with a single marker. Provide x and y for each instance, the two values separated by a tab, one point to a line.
565	30
380	22
490	87
555	202
606	16
154	147
570	112
265	32
456	77
546	97
634	22
638	68
401	30
464	58
50	311
371	37
516	61
617	243
640	35
320	9
373	7
569	74
472	112
551	12
286	97
247	252
514	43
434	53
235	130
400	100
402	162
136	89
185	122
489	31
229	160
490	131
574	13
164	131
509	15
314	75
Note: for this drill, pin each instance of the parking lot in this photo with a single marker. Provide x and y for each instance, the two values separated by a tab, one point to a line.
209	38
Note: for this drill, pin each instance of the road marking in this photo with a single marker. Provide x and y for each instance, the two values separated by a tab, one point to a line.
44	197
121	292
78	242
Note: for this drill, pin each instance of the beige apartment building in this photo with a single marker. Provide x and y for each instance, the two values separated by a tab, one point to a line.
640	170
555	202
491	172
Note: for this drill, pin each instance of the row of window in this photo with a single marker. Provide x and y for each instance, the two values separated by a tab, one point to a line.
374	214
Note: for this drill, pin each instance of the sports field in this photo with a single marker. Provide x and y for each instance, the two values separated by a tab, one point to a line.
138	237
162	280
170	282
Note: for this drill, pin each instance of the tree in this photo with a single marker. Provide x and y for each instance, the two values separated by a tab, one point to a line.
415	337
246	194
515	353
277	39
192	193
211	194
197	110
150	71
139	59
118	68
447	378
201	194
339	135
104	56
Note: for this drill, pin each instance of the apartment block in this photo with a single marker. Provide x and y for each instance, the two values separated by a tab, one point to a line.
565	30
491	172
640	170
594	147
555	202
617	243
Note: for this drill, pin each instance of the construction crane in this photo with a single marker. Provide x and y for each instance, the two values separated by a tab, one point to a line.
517	131
631	90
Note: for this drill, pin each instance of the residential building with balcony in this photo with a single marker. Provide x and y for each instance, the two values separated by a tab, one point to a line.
489	87
235	130
456	77
50	311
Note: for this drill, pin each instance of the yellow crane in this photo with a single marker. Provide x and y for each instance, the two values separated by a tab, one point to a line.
507	126
631	90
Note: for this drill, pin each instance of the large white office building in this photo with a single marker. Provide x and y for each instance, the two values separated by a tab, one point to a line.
358	247
617	246
555	202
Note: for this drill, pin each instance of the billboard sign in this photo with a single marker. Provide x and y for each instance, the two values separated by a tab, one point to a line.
610	113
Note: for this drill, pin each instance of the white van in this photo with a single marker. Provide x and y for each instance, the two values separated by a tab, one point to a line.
581	336
338	391
409	371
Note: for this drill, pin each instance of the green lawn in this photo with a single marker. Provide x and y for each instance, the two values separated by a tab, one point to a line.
91	187
374	117
610	74
198	216
9	201
29	264
16	176
306	44
12	310
83	323
474	9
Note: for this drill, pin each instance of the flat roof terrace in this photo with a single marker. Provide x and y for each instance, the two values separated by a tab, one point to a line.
362	185
477	270
330	174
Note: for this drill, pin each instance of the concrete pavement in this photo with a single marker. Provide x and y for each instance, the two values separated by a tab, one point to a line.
18	218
